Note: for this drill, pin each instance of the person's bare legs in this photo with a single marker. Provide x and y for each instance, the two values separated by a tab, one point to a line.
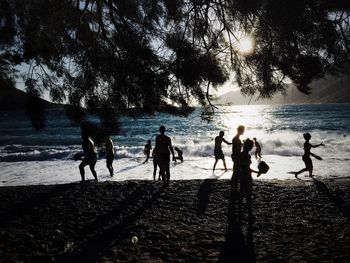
310	171
147	157
154	170
82	171
110	169
109	164
308	167
168	175
92	168
162	173
223	160
235	177
301	171
216	161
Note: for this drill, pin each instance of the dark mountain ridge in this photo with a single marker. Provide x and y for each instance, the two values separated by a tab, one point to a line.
15	99
330	90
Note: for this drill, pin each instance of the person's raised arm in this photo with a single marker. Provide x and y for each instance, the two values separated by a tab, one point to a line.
314	146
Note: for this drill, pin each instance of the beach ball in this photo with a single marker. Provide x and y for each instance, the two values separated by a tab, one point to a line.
263	167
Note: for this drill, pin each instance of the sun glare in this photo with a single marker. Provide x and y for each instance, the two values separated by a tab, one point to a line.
246	45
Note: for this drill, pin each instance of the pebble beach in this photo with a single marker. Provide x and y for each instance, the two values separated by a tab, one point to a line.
189	221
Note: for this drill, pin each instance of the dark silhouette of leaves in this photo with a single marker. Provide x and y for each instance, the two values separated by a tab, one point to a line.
130	57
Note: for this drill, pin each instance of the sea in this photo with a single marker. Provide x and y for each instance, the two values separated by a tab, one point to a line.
29	157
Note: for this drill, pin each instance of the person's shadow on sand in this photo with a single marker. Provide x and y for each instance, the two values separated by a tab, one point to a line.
128	168
342	205
112	227
308	178
41	198
216	176
238	247
204	192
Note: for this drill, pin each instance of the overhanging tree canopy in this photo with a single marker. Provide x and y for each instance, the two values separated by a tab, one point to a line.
117	55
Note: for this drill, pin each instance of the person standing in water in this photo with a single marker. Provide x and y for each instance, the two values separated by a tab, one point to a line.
257	148
110	155
179	154
236	151
162	154
306	157
155	165
147	150
90	157
218	150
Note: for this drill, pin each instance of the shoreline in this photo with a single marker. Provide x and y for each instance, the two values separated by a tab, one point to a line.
190	221
67	171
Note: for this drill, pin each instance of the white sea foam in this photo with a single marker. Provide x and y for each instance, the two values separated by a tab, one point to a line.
66	171
284	143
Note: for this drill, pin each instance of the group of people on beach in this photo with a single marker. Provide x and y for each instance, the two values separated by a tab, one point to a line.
90	156
236	147
161	155
147	152
241	158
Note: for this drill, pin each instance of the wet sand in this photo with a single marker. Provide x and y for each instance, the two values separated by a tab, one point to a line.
190	221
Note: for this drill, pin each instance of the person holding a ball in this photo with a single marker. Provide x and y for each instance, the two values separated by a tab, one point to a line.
245	173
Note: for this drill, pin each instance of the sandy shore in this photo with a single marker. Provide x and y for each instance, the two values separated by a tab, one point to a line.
190	221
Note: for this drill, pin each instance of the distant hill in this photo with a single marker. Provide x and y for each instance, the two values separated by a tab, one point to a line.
14	99
329	90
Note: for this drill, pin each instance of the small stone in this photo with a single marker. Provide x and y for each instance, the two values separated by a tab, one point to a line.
134	239
214	254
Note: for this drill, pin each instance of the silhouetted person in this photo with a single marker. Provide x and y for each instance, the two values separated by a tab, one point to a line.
245	172
155	165
90	157
162	152
236	150
147	150
307	152
179	154
257	148
219	155
110	155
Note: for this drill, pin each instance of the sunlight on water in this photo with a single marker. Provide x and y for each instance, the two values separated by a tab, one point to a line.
254	117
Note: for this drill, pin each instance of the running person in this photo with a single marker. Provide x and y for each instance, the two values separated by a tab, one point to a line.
307	152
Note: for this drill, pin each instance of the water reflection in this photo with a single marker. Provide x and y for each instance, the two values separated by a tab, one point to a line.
256	118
